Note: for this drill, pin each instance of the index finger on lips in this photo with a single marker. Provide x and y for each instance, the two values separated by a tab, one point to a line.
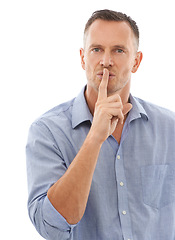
102	91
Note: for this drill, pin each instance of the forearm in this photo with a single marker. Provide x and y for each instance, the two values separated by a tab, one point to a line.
70	193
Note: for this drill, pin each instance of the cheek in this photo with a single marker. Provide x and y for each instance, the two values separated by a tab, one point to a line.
90	67
126	67
92	60
89	72
127	72
124	73
87	64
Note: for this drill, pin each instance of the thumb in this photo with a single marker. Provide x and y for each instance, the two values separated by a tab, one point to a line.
126	108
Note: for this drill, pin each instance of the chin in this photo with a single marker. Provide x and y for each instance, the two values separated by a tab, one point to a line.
114	89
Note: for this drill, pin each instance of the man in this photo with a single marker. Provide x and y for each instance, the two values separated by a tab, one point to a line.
102	166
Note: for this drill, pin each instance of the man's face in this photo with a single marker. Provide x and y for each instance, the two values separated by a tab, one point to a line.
111	45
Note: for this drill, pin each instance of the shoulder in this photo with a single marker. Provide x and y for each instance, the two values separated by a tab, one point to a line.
156	112
62	108
60	113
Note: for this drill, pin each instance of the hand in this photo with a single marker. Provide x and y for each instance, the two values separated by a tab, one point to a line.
108	111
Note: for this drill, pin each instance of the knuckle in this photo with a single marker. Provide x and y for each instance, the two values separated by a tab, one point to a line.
98	104
120	114
120	105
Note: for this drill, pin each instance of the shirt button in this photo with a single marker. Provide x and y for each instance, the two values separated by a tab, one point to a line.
118	157
121	184
124	212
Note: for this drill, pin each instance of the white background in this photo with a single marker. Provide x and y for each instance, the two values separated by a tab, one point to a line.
40	68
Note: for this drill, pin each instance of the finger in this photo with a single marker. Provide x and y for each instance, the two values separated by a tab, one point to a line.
114	122
102	91
116	105
114	112
114	98
126	108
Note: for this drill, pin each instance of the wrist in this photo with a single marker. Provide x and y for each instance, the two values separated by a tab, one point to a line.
94	138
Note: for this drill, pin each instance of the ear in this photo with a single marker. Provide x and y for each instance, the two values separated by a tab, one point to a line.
82	58
138	59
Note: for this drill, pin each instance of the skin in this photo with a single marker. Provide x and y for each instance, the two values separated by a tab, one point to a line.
110	45
109	57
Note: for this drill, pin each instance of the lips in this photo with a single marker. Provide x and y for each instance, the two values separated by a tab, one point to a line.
111	74
100	74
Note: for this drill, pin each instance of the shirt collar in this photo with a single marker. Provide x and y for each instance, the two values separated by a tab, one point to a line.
137	110
81	112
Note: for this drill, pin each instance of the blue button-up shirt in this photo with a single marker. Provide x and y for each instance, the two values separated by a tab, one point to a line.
132	195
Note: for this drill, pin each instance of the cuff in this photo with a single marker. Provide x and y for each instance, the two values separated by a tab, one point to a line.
54	218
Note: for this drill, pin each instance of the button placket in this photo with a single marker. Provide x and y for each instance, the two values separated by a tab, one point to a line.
124	212
122	198
121	184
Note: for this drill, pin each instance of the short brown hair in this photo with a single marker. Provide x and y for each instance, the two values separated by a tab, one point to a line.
109	15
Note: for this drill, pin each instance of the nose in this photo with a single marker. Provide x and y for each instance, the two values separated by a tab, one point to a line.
106	60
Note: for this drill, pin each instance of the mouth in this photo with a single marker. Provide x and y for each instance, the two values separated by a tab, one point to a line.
100	75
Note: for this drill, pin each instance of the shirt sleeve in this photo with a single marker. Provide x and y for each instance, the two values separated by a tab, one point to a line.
45	165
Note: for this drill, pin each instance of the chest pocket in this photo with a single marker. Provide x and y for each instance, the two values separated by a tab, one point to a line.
158	185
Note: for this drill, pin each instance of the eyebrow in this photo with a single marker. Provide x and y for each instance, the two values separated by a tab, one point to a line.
120	46
95	46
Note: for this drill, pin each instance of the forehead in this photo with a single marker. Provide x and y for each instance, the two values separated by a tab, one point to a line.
109	32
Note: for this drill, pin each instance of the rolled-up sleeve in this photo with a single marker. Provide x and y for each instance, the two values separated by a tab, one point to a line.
45	165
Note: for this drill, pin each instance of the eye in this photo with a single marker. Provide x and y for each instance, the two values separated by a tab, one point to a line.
119	51
96	50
